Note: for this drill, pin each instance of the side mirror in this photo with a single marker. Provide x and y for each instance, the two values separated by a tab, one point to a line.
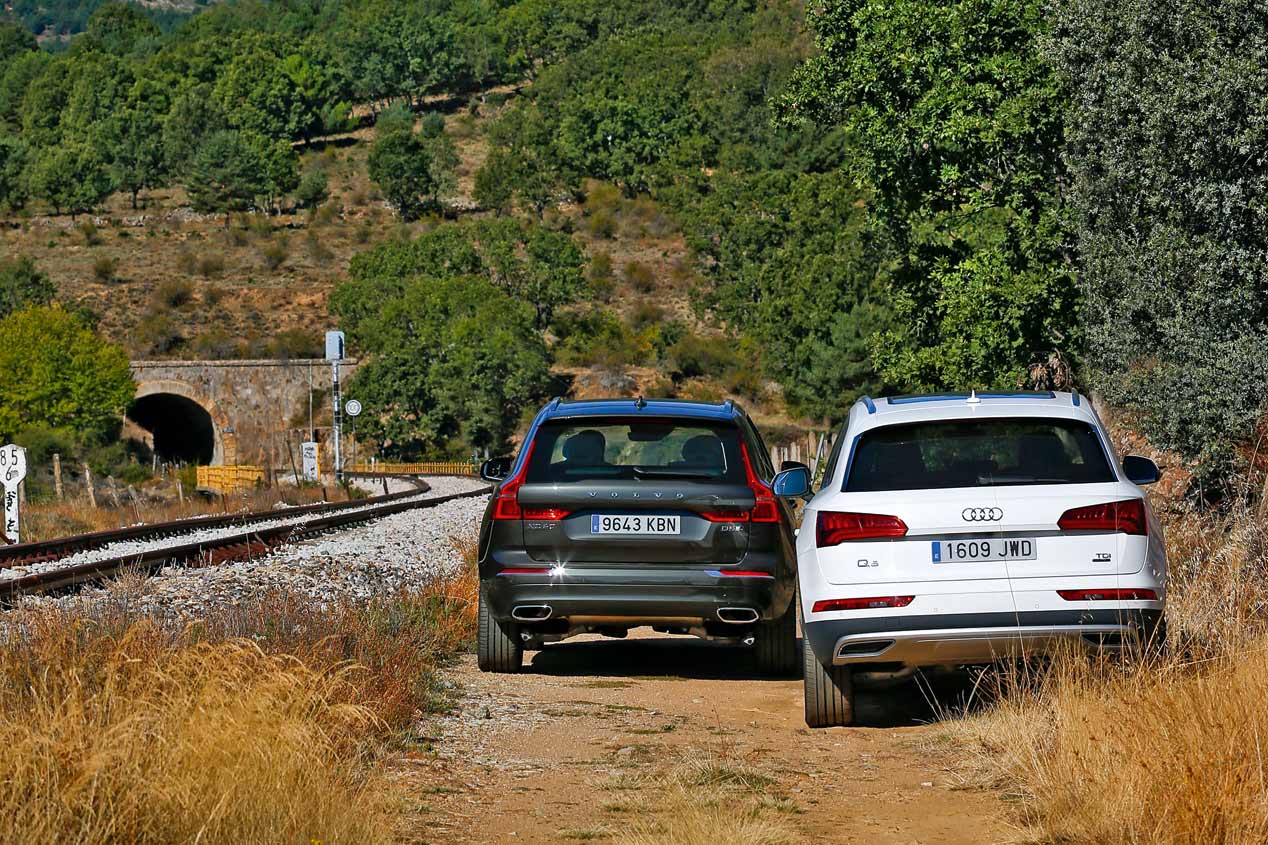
495	469
792	483
1140	470
787	465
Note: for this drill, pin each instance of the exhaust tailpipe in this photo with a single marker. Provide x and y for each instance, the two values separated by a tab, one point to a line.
531	612
737	615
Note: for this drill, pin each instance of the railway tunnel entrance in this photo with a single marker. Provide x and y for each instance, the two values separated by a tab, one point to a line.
183	430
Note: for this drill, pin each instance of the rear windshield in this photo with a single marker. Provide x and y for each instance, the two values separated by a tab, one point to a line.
977	453
605	448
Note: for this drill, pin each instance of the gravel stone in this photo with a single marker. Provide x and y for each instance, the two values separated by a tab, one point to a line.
362	561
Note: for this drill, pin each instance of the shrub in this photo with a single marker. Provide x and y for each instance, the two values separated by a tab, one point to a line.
320	254
158	334
186	262
212	295
694	356
313	188
92	237
274	253
174	294
215	344
210	265
296	343
646	313
601	224
105	268
640	277
600	266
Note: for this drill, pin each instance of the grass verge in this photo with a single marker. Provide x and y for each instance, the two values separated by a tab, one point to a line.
1164	749
268	722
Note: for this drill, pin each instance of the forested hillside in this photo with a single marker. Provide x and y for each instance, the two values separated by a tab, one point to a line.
691	198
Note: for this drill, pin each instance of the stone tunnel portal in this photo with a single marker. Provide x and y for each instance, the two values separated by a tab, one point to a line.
183	430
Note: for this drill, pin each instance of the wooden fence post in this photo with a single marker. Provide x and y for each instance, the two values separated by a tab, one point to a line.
92	494
57	475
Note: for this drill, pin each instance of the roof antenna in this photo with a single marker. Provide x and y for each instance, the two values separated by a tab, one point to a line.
640	403
974	399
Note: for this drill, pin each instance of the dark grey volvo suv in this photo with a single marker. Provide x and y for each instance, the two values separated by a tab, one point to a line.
625	513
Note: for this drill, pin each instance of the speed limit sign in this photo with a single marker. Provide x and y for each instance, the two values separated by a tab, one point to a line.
352	408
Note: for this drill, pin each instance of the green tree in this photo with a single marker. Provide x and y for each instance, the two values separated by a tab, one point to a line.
23	285
71	177
956	120
193	117
133	141
1167	141
227	173
13	164
534	265
14	41
118	27
794	261
455	362
56	372
401	165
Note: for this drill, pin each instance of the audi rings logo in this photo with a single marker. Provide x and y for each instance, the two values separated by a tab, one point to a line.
982	514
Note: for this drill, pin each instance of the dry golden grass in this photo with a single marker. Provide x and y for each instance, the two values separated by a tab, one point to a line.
1155	749
711	796
48	520
268	722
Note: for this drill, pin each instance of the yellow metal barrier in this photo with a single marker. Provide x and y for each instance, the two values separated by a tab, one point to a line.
230	479
417	468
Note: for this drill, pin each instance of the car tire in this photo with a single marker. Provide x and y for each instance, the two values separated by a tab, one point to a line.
498	648
829	691
775	649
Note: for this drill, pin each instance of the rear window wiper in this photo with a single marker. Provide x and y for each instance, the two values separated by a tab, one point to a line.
640	472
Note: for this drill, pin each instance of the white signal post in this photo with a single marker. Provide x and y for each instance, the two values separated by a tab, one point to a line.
334	354
12	472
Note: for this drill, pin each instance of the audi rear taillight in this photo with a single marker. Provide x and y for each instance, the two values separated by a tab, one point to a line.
1124	594
507	503
862	604
1126	517
835	527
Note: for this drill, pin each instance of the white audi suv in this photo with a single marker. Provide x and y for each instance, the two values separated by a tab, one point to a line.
961	529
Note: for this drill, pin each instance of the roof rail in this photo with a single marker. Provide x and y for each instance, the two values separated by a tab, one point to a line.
1074	397
729	405
869	404
554	403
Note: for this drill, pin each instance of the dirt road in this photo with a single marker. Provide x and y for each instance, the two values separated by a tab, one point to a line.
590	741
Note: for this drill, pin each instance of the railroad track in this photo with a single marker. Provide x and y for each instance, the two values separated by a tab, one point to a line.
239	545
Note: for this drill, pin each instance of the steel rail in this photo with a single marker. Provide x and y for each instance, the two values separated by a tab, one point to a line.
240	546
43	551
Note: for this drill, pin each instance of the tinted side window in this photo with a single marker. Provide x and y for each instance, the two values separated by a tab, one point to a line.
607	448
977	453
834	458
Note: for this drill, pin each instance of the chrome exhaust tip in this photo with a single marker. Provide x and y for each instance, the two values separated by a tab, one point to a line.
530	612
749	640
737	615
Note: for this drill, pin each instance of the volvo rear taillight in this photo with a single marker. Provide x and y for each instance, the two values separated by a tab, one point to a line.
835	527
545	514
1115	594
862	604
507	503
764	507
1126	517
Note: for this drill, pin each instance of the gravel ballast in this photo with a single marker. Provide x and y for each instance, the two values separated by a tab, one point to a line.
374	558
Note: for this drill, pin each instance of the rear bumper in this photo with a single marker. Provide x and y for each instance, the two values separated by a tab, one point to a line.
954	639
642	596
